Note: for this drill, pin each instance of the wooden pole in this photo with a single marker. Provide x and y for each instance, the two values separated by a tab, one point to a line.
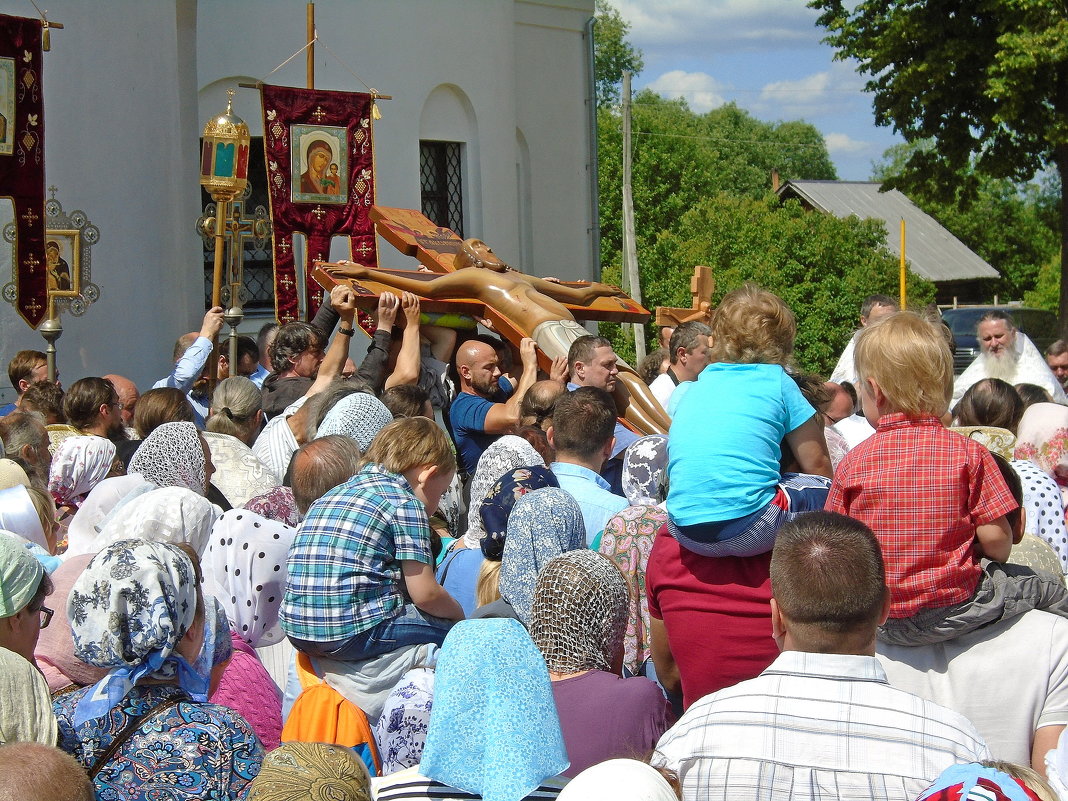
222	215
310	55
631	280
901	277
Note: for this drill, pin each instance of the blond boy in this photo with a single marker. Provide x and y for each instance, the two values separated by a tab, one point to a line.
935	499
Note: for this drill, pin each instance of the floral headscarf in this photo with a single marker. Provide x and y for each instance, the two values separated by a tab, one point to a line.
401	731
128	611
79	464
544	523
311	772
1042	439
246	563
502	455
976	782
172	456
494	730
628	541
645	473
497	505
276	504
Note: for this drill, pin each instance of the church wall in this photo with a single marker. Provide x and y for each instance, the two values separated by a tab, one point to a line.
129	85
117	108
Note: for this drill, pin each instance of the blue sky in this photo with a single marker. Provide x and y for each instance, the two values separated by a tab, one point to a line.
764	55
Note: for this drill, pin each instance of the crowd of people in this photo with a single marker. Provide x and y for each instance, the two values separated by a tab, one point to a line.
436	572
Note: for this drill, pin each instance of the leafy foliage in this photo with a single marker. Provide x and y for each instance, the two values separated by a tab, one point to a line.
612	54
822	266
982	80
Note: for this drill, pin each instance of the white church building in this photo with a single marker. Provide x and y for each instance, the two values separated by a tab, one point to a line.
491	125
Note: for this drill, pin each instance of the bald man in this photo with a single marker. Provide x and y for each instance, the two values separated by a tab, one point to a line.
128	396
484	409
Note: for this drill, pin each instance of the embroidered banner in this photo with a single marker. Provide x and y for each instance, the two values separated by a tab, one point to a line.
22	159
320	171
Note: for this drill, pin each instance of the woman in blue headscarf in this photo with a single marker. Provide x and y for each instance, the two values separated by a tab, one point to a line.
145	731
494	733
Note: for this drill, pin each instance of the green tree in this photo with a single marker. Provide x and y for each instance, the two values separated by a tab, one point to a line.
612	53
822	266
983	80
1006	223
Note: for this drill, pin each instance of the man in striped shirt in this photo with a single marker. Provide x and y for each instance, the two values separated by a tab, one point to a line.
821	722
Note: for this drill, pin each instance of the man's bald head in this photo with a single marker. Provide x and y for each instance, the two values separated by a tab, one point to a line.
321	465
128	395
478	368
36	772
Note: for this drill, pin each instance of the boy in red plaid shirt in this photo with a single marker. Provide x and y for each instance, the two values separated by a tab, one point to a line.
935	499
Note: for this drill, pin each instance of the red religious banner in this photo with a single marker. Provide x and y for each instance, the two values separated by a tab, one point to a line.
320	171
22	159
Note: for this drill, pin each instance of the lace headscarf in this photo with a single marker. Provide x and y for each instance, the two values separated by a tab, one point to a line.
245	568
645	470
502	455
128	611
172	456
628	541
579	612
359	416
494	731
544	523
171	514
79	464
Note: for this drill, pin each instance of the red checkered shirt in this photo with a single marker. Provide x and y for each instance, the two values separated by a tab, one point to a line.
923	490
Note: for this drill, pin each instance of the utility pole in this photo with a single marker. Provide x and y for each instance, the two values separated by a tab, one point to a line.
631	281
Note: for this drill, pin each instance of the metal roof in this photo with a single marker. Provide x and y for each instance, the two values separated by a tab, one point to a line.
932	251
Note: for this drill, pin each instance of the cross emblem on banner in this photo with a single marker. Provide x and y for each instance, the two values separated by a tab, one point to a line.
31	263
318	114
319	213
286	283
34	306
365	250
284	246
30	216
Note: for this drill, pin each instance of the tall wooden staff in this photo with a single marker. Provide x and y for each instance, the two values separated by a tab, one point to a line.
223	174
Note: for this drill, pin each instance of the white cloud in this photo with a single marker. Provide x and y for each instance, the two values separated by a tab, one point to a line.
719	25
699	89
827	92
840	144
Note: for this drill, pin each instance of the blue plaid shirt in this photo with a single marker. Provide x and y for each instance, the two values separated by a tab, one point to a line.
345	562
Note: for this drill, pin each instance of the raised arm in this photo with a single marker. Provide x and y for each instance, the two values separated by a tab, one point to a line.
503	416
406	370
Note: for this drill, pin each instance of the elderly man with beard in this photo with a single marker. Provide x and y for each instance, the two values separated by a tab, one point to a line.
484	409
1009	355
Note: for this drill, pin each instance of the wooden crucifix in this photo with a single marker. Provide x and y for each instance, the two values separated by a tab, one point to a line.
702	285
468	278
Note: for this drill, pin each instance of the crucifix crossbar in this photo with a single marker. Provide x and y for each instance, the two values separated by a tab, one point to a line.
702	285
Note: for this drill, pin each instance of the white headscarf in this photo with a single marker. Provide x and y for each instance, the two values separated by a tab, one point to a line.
19	515
245	569
619	780
502	456
85	525
172	456
171	514
79	464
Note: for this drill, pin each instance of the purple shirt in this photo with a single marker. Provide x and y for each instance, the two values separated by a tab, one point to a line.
607	717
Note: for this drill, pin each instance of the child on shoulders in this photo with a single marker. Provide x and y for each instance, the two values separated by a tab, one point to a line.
936	500
727	496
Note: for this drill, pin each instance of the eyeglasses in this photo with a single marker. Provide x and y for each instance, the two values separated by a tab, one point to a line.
46	616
